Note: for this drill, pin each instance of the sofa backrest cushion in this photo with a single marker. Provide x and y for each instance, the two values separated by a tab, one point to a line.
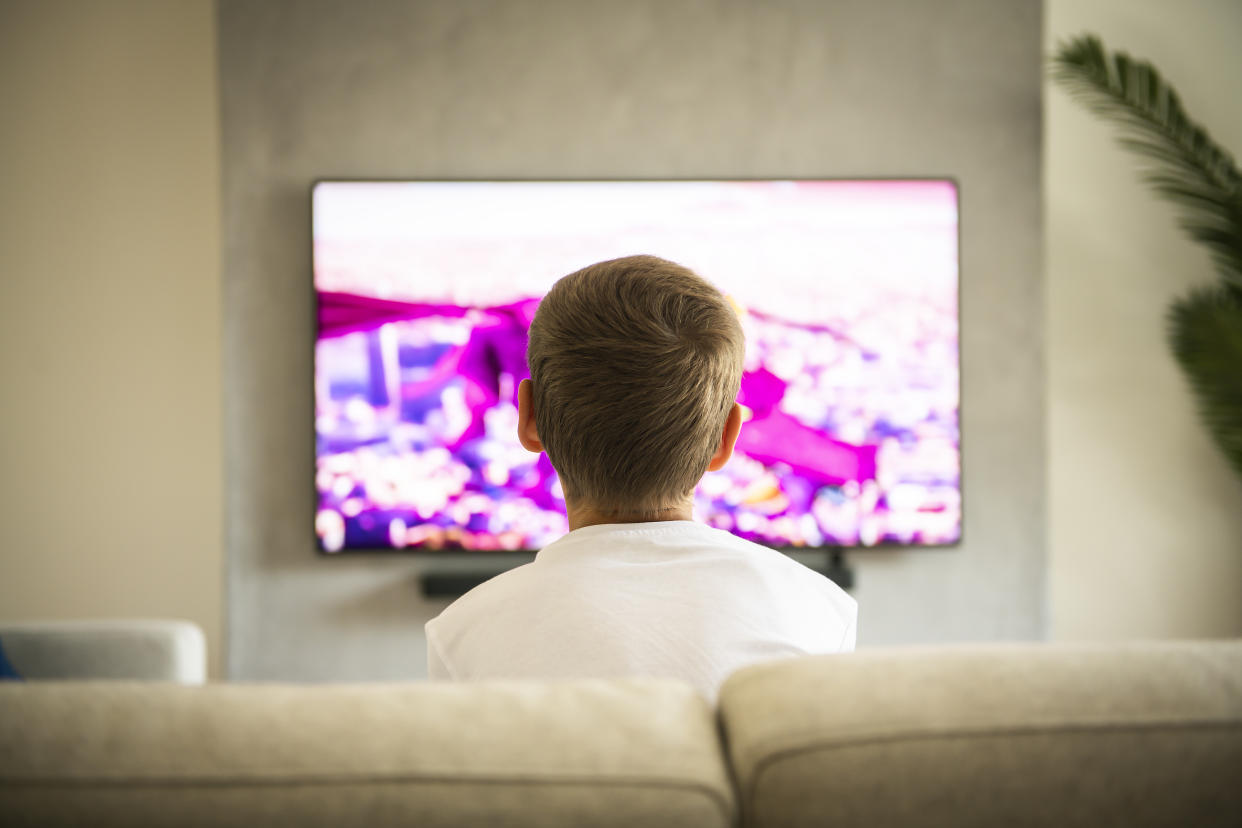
561	753
1135	735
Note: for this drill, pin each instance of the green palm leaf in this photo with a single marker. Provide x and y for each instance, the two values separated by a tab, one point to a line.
1205	331
1188	167
1190	170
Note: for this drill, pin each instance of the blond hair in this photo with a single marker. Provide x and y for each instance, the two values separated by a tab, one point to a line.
635	364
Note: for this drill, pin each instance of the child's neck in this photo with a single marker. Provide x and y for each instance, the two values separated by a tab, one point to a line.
581	515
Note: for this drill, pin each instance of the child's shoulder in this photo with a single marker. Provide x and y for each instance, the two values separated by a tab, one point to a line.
776	562
498	589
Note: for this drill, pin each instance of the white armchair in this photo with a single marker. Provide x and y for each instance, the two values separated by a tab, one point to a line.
142	650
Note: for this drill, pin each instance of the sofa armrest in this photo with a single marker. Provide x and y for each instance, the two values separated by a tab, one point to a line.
144	650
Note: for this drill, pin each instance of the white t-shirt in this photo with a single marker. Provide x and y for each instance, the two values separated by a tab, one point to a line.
671	598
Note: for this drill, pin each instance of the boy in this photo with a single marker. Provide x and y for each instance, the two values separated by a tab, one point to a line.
635	367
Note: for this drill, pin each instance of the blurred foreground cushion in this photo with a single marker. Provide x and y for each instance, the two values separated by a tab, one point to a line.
1022	735
599	753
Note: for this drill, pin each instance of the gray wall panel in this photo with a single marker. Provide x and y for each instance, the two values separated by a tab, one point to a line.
640	89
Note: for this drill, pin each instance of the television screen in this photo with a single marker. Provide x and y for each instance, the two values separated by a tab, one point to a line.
847	292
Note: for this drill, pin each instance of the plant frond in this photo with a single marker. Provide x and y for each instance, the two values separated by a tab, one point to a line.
1204	328
1205	333
1191	170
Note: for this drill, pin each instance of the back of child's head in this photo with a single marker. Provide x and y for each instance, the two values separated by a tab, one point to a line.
635	364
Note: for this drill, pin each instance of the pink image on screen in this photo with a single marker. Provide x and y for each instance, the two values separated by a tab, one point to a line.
847	293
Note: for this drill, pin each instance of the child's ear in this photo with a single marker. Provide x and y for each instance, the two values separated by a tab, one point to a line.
528	436
728	437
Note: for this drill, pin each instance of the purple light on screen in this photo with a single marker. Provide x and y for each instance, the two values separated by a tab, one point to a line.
847	292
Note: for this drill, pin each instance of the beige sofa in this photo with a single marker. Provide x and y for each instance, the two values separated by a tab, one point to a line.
963	736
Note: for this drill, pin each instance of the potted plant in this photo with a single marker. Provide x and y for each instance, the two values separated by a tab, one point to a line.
1204	327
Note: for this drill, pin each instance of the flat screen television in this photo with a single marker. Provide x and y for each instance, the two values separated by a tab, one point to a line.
848	295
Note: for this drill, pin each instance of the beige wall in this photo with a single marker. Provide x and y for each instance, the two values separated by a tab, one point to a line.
110	477
1145	518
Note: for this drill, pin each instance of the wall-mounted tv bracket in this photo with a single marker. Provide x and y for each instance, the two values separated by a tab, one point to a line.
453	584
837	570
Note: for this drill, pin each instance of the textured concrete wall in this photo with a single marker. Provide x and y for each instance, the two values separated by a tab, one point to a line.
637	89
